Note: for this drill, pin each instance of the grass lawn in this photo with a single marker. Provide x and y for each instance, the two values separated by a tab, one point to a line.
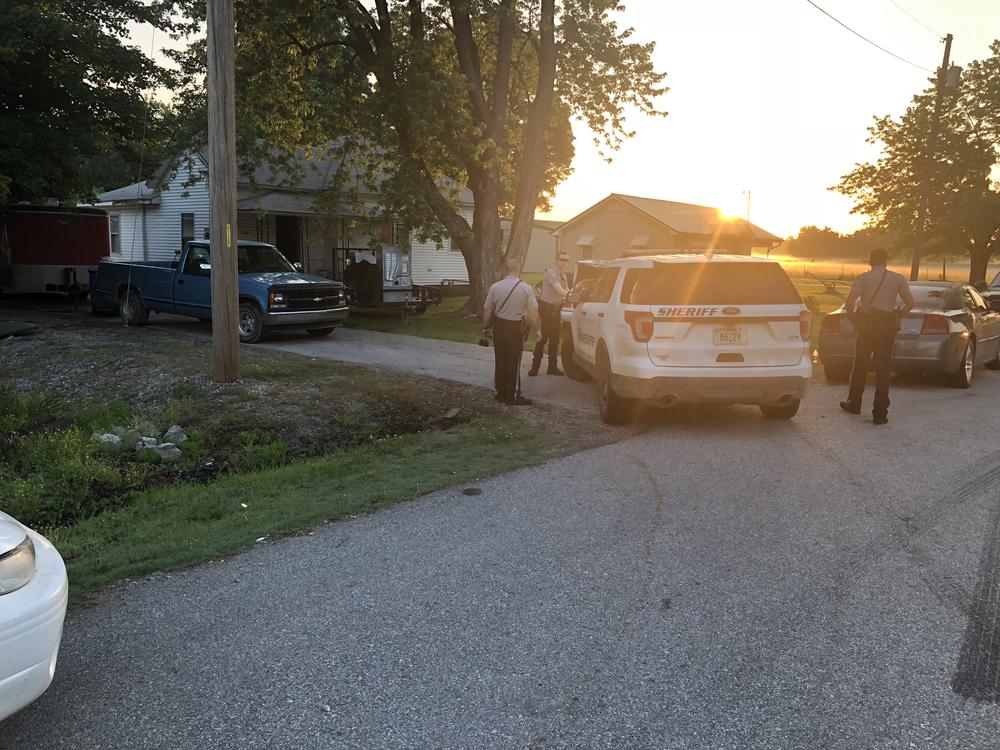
439	322
293	443
174	526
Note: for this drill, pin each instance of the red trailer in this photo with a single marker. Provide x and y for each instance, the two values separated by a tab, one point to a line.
50	248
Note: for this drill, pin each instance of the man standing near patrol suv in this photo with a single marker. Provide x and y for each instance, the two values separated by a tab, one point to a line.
554	283
509	303
876	320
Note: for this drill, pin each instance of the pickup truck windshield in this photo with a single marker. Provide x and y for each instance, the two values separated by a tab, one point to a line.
262	259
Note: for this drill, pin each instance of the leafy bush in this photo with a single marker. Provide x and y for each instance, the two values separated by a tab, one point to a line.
255	450
56	478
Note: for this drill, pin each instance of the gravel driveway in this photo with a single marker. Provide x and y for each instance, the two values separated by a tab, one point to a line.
719	581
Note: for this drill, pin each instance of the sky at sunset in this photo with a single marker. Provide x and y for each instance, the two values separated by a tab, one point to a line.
768	96
774	97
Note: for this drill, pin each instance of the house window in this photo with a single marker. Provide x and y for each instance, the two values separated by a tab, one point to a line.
115	224
187	228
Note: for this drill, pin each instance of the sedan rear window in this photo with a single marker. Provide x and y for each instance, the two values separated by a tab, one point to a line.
929	298
713	284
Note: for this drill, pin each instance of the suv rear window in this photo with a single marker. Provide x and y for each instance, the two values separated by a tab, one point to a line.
713	284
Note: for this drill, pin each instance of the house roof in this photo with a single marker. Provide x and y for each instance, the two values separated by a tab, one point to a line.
684	218
139	191
314	172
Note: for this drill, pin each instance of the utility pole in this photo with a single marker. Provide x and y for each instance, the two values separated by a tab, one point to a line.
918	237
222	191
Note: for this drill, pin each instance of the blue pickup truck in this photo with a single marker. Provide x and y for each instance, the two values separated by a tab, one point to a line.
272	292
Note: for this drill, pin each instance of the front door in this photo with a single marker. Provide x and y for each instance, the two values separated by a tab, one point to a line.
193	284
288	237
589	315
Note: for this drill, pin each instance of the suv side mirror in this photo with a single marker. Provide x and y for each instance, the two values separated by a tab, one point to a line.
297	265
574	297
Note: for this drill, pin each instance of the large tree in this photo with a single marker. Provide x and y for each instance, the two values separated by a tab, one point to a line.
956	180
71	95
426	95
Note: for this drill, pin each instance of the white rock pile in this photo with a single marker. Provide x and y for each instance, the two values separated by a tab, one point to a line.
142	438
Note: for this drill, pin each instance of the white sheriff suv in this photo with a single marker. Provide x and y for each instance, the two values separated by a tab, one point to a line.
667	329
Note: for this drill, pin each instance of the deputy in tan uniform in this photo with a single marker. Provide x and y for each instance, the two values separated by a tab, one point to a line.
509	303
871	307
554	290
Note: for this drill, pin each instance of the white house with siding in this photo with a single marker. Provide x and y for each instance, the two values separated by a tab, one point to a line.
151	220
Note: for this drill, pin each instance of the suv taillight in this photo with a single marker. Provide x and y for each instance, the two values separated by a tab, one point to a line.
805	324
935	324
641	323
831	323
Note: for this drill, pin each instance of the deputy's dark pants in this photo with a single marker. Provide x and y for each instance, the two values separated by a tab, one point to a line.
876	338
508	343
551	321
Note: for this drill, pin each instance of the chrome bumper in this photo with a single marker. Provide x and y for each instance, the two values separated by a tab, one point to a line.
319	318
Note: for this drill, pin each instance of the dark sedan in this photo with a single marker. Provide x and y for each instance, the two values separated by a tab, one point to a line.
951	329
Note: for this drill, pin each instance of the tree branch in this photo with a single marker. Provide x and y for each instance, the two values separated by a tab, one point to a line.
468	59
501	78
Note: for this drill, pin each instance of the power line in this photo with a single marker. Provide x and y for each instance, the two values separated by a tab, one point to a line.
936	34
862	36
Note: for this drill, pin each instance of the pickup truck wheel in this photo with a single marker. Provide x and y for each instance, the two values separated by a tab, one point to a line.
569	365
132	309
251	323
319	332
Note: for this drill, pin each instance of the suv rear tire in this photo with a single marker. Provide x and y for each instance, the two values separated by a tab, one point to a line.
782	411
613	408
570	367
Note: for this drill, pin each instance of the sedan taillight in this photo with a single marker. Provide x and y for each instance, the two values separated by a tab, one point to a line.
831	323
939	324
641	323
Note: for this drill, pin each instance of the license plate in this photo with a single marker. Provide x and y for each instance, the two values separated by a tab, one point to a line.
729	336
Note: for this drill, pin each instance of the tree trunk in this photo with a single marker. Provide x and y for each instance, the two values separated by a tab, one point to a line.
534	156
979	261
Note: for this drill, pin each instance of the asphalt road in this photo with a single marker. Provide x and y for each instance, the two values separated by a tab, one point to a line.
718	581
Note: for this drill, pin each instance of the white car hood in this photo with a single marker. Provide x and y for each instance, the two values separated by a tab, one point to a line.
11	533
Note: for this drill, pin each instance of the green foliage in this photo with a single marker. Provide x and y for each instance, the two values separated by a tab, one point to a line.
55	478
186	524
255	450
962	201
71	96
418	97
813	242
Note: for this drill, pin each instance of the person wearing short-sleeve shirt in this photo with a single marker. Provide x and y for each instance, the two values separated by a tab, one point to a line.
871	306
510	303
554	290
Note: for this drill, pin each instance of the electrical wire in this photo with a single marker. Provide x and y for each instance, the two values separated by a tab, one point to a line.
936	34
862	36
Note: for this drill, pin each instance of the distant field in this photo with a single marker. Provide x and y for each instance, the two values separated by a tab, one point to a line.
837	269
